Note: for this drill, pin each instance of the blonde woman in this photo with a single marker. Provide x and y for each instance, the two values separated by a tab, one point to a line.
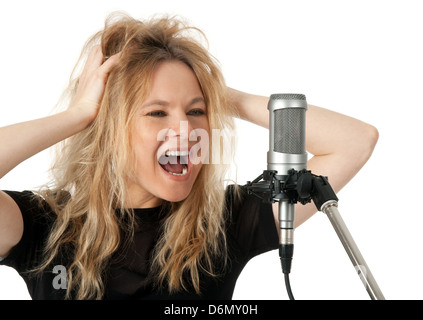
129	213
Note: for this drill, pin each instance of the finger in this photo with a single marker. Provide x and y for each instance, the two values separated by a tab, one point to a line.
110	63
94	60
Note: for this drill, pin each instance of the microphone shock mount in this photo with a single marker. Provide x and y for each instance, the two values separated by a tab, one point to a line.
302	186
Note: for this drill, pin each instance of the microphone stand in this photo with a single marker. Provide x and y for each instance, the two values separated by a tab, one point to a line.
303	186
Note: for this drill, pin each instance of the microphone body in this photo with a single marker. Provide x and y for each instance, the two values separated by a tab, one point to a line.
286	151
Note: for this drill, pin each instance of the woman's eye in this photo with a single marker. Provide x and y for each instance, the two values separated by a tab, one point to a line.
157	113
196	112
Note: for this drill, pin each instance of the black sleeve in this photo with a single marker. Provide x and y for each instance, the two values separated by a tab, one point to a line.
252	225
27	253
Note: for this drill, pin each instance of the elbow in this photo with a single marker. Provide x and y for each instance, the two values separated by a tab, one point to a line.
368	138
372	136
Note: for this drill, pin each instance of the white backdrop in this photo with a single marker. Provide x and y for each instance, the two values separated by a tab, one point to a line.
361	58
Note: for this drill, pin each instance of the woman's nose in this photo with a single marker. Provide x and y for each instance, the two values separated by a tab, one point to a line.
176	131
180	126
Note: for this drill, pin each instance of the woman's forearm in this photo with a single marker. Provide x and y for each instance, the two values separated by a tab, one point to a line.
328	133
250	107
21	141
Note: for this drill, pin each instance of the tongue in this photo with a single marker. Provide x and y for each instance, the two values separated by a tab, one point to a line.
173	168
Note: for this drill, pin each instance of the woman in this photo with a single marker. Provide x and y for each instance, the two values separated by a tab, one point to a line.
137	208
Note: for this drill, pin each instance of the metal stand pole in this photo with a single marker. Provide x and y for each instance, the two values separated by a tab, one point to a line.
331	209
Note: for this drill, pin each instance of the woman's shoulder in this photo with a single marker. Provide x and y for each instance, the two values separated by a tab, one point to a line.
38	219
240	203
29	201
251	224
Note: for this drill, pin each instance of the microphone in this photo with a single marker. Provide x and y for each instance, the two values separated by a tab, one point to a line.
286	151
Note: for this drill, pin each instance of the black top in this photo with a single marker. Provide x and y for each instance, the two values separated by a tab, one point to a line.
251	231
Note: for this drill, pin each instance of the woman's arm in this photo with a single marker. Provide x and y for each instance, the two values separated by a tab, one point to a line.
20	141
340	145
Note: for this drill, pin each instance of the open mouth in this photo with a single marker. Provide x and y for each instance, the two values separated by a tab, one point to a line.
175	162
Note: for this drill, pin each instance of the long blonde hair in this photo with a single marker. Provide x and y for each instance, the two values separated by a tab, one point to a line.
88	191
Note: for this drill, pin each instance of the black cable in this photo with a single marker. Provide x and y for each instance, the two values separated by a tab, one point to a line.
285	253
288	287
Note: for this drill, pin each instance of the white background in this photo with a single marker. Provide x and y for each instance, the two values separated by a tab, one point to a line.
361	58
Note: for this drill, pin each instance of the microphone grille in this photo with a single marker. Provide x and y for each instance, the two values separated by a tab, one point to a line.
290	131
288	96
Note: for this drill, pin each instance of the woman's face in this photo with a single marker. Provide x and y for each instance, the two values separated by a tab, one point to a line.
164	134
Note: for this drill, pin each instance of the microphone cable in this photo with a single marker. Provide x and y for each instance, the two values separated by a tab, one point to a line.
285	253
288	287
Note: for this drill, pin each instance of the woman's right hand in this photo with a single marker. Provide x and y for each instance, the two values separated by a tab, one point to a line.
92	83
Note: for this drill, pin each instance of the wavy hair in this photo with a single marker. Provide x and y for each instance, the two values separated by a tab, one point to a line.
88	192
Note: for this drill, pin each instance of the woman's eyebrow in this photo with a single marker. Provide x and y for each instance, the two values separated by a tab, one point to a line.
197	100
164	103
156	102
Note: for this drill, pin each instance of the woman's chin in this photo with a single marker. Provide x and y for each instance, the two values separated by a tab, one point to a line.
176	195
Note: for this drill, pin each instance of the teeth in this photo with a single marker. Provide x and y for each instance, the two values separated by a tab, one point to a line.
184	171
177	153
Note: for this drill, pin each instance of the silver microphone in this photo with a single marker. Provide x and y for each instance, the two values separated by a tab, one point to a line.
286	151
